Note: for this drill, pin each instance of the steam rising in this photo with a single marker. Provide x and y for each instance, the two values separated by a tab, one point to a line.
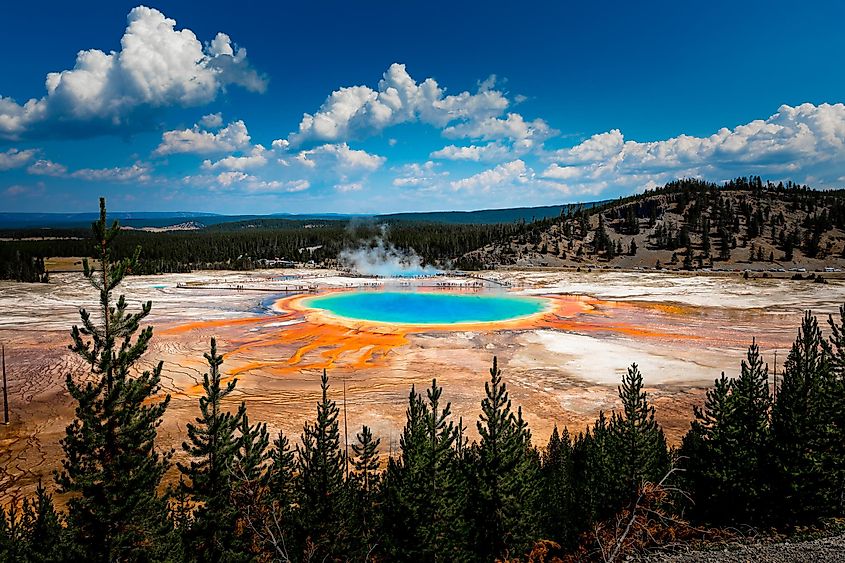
380	258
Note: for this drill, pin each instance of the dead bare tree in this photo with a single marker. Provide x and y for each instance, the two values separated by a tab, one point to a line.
648	523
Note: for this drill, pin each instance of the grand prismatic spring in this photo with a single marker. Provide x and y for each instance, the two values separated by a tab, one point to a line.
563	340
424	308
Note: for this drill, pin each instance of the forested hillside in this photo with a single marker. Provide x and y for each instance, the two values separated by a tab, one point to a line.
688	224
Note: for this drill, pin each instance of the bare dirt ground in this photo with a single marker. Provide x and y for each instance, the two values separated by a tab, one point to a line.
562	369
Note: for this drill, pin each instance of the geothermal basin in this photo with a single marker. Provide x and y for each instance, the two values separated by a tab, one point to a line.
563	340
427	308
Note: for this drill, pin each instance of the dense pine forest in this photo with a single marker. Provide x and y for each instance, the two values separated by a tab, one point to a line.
243	245
756	455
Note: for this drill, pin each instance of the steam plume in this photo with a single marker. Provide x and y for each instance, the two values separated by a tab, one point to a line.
378	257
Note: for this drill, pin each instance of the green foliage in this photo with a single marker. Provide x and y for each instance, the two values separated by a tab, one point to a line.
422	496
558	493
213	446
111	469
725	452
800	425
321	488
507	476
640	440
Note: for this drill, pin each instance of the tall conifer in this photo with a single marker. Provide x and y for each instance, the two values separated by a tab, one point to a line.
212	446
321	487
507	475
111	469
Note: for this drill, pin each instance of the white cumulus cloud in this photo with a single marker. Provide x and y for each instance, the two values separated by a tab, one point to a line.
340	157
14	158
255	159
507	174
157	66
805	143
198	141
358	111
414	174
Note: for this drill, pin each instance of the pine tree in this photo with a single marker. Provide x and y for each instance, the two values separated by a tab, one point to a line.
748	426
595	463
212	447
507	475
640	439
557	474
366	461
249	488
42	535
366	479
404	491
801	482
111	469
835	350
281	479
725	451
702	450
423	486
320	480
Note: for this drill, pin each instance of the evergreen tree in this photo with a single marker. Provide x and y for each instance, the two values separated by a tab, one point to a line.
595	462
508	475
557	493
423	486
801	482
748	427
111	469
642	445
40	533
249	487
725	451
320	480
282	479
212	447
404	494
366	464
835	350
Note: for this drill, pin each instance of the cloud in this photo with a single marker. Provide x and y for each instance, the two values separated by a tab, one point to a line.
157	66
138	171
360	111
198	141
235	180
16	190
474	153
415	174
349	187
255	159
339	157
212	120
805	143
513	127
509	138
14	158
507	174
43	167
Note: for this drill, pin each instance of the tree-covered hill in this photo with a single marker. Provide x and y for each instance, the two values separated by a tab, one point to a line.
688	224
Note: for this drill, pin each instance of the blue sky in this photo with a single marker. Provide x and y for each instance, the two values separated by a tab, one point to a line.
406	106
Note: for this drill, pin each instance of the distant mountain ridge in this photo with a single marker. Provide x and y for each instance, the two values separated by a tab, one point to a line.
159	219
